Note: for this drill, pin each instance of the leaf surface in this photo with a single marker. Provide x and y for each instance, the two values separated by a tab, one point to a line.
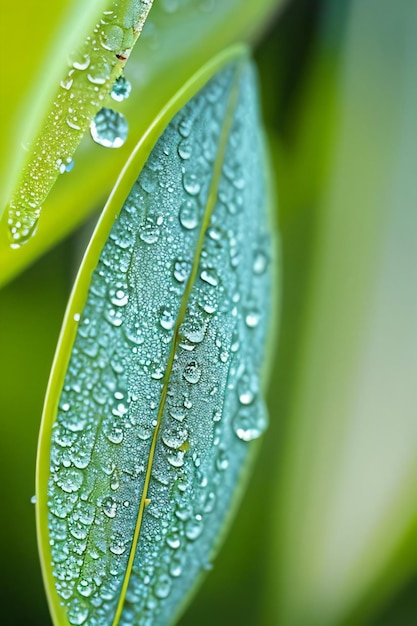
155	393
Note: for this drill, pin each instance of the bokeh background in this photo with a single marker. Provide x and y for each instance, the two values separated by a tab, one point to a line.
327	532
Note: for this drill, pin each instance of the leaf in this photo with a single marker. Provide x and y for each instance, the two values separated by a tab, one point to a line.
155	393
173	46
92	70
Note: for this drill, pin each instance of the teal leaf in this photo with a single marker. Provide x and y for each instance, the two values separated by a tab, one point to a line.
156	394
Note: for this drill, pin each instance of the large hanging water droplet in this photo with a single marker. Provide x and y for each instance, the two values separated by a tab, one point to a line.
121	89
250	422
109	128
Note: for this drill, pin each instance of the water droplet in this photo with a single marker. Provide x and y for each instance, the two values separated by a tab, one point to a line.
260	262
185	126
109	506
117	546
174	437
194	329
22	227
66	83
66	167
166	318
193	529
210	277
163	586
82	63
250	422
109	128
70	480
192	372
77	612
150	231
175	567
115	435
111	37
181	270
173	541
252	318
33	500
191	184
247	388
185	149
178	413
188	214
121	89
222	462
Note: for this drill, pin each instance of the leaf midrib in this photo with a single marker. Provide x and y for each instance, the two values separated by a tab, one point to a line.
210	204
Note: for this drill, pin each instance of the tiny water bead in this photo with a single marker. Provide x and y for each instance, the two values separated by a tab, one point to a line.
109	128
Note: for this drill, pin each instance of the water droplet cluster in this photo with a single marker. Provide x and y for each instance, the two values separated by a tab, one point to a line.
84	89
170	344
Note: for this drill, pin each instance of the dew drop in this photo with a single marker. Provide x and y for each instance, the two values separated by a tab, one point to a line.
163	586
250	422
181	270
247	388
117	546
33	500
109	506
149	232
166	318
260	262
210	277
193	529
192	372
188	214
121	89
77	612
185	149
111	37
109	128
222	462
252	318
82	63
191	184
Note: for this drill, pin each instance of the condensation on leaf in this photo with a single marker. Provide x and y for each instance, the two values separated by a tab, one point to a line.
162	394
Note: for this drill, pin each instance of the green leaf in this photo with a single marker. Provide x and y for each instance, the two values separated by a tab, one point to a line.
84	87
173	46
155	393
347	518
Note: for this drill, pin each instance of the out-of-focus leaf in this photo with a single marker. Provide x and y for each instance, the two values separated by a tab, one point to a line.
86	81
155	393
173	45
348	494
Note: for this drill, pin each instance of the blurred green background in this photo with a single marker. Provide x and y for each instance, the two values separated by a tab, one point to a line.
327	532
